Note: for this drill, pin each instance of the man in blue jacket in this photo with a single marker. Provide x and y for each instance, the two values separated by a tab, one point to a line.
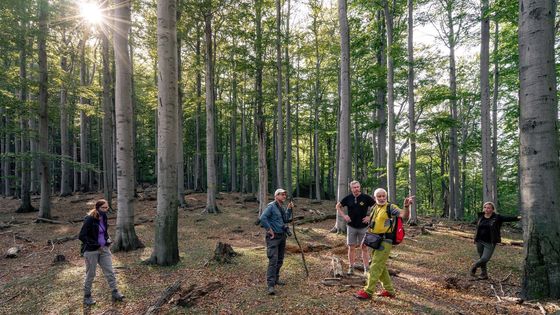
274	219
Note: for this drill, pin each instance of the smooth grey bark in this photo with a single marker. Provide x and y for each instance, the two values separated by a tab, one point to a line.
317	102
198	155
288	177
485	124
259	116
243	144
5	150
65	188
180	129
76	177
391	158
539	163
345	153
45	203
455	210
25	184
297	126
413	218
211	177
125	236
495	115
34	149
279	114
166	246
233	123
107	130
380	101
84	119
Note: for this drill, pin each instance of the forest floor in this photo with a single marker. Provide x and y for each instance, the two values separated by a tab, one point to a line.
432	268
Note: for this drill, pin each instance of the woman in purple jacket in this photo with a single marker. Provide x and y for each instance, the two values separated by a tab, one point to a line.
95	247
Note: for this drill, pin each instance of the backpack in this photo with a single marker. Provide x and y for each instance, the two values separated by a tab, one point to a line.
397	228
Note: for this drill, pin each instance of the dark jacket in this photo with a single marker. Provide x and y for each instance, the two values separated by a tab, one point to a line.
496	223
90	231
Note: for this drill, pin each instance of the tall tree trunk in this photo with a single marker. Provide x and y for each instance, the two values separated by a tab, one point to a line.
198	155
107	132
380	94
125	238
411	114
5	150
211	178
345	153
166	246
65	188
486	128
45	204
34	148
233	124
23	90
259	116
244	152
539	149
76	177
315	173
288	177
297	127
180	129
454	188
84	119
391	159
495	115
279	115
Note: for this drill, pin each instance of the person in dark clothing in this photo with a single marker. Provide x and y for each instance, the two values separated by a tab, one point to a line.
274	220
487	236
95	247
356	223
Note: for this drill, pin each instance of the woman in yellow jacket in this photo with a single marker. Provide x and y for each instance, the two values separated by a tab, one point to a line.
382	224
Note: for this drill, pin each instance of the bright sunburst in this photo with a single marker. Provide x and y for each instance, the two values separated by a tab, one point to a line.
90	12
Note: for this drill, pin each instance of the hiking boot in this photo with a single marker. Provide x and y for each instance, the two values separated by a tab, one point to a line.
472	271
483	276
350	271
117	296
280	282
362	295
270	291
88	300
386	293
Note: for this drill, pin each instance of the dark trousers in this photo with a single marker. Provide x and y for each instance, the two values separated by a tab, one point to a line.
485	251
275	250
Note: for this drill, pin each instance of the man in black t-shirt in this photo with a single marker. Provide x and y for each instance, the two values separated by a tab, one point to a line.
357	221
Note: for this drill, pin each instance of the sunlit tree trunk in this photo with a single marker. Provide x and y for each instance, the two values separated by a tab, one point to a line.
391	158
65	188
107	131
539	164
485	126
84	119
45	204
125	237
380	93
411	114
495	115
344	123
211	178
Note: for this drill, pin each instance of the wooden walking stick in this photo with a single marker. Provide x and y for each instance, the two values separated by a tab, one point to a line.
297	241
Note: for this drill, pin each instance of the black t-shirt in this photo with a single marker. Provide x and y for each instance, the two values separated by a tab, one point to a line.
357	209
485	229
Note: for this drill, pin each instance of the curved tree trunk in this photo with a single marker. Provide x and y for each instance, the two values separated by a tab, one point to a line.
539	164
125	238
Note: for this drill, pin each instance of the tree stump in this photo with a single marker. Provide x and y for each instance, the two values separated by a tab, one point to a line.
224	253
336	267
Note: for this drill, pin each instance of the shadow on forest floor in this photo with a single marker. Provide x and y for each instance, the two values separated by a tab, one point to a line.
431	268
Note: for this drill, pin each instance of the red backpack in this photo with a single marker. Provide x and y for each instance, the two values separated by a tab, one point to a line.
397	228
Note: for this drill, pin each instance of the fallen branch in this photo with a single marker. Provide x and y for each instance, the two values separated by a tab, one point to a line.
23	238
81	199
165	296
61	240
495	293
39	220
189	296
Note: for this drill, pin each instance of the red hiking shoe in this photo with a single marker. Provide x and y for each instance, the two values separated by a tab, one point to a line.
362	295
386	293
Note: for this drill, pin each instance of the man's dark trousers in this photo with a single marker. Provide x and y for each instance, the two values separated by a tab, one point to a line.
275	250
